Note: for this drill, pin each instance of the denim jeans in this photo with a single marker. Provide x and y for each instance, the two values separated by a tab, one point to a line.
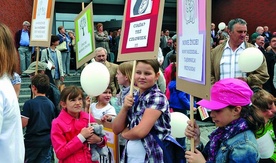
66	62
41	155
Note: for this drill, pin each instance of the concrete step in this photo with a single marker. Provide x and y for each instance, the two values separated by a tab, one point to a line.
23	98
66	82
67	78
25	94
25	91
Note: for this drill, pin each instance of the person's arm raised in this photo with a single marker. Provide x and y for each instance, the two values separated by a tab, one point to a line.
120	122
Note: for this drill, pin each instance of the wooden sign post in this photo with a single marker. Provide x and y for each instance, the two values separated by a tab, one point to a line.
193	50
41	25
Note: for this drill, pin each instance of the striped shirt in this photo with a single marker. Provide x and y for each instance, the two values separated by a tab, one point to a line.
229	67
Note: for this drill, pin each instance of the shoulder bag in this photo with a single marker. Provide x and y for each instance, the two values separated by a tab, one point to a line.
62	46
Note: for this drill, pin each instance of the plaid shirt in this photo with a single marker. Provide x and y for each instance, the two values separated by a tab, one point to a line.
229	67
153	98
16	79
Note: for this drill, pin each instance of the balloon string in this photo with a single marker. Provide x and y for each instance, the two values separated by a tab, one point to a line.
89	119
89	111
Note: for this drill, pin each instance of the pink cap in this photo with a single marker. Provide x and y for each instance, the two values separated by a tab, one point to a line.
228	92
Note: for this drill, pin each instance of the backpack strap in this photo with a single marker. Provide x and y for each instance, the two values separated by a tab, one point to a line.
48	53
165	152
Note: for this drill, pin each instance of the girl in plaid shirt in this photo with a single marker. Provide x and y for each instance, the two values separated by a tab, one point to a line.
143	113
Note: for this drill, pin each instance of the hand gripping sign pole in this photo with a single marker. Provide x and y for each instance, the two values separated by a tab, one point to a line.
132	78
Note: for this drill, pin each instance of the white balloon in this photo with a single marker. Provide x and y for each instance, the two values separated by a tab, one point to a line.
265	146
178	124
250	59
221	26
94	78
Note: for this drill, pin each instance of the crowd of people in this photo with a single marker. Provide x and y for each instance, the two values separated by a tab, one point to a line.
242	105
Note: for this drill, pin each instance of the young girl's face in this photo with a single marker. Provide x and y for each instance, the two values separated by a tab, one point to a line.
271	112
145	77
105	96
74	106
223	117
122	79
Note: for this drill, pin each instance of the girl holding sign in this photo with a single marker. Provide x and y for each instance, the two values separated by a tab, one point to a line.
266	107
145	112
236	119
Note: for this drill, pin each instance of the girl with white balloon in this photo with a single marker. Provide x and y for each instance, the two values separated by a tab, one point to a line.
94	79
70	134
101	109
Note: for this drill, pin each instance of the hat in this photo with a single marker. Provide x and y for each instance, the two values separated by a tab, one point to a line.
228	92
31	68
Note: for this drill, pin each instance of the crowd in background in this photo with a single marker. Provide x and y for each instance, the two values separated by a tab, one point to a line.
58	120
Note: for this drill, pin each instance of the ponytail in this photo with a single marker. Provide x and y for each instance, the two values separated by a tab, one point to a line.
254	121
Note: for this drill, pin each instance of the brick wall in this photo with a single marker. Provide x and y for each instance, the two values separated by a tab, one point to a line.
15	12
254	12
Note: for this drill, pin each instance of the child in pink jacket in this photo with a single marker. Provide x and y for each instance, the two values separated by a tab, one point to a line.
70	135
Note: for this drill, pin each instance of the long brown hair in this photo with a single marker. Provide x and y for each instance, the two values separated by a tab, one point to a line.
8	53
262	99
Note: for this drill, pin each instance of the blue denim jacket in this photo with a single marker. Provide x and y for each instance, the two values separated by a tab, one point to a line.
242	148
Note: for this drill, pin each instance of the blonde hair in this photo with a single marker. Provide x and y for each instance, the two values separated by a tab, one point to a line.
126	69
99	25
8	54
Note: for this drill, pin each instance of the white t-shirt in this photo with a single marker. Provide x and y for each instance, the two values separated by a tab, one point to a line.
135	151
98	113
11	134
